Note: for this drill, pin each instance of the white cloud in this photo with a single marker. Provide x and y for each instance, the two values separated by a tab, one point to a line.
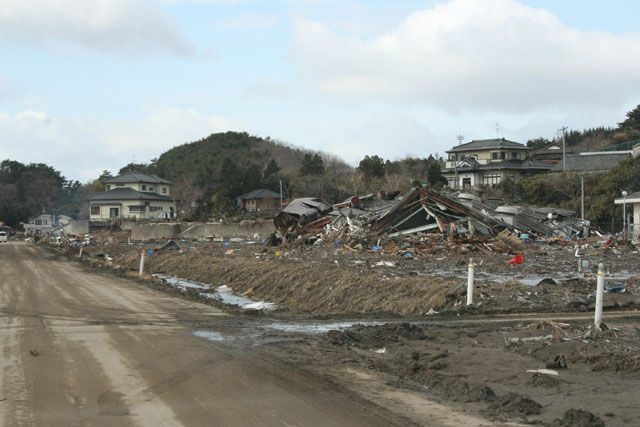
272	88
121	26
494	55
390	136
79	147
250	21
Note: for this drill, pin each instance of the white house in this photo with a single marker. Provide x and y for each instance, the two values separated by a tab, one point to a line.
632	205
489	162
133	195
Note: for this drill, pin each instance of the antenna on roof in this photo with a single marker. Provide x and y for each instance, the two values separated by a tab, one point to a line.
460	138
497	130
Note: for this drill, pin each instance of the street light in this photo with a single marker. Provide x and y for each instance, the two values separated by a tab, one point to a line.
624	214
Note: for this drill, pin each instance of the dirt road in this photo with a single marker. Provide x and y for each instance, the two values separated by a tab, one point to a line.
80	349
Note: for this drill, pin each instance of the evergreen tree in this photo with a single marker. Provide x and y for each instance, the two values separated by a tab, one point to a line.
312	165
632	121
372	167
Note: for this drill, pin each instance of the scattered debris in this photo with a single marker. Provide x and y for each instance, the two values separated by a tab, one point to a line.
422	220
543	371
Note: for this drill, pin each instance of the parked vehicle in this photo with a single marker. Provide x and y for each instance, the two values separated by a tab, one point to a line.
3	236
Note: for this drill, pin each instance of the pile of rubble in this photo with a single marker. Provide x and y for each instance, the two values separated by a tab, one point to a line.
421	219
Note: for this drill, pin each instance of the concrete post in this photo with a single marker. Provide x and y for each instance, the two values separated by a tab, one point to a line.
142	255
599	296
80	254
470	283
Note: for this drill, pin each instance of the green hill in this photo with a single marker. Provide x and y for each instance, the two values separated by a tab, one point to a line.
215	169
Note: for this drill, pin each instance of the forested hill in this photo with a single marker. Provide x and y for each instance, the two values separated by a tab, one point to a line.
222	166
206	156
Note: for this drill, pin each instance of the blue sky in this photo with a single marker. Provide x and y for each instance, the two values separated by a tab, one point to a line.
87	85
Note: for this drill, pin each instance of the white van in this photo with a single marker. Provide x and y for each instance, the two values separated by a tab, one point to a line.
3	236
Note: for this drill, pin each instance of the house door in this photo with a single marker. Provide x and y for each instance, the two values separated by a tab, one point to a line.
114	212
466	183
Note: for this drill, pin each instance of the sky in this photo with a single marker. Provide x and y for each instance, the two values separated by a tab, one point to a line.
91	85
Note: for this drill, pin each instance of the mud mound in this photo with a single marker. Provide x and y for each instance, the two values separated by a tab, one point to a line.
614	361
481	393
580	418
514	403
546	381
367	337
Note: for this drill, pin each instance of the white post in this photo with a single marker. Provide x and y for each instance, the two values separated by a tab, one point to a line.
624	214
142	263
470	283
599	296
80	255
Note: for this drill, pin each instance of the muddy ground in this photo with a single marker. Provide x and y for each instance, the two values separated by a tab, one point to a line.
475	359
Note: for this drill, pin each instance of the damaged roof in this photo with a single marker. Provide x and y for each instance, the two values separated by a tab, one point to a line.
422	210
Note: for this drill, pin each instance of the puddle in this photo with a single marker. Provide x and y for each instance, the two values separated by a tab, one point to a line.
223	293
318	328
210	335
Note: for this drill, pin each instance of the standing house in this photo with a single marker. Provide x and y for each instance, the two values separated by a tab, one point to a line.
632	203
551	153
258	200
133	195
41	224
488	162
46	224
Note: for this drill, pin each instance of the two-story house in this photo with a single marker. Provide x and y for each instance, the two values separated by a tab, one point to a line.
45	223
133	195
488	162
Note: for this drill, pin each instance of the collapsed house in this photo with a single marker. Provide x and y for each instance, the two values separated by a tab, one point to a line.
421	210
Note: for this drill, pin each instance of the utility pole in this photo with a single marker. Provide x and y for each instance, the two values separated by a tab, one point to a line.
460	138
582	190
280	194
564	154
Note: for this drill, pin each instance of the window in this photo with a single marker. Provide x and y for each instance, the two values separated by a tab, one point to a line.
108	187
144	188
150	188
95	210
136	208
120	184
499	156
155	208
491	179
164	190
515	156
38	222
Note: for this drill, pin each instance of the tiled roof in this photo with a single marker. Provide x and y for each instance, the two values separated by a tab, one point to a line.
262	193
138	177
127	193
526	164
487	144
